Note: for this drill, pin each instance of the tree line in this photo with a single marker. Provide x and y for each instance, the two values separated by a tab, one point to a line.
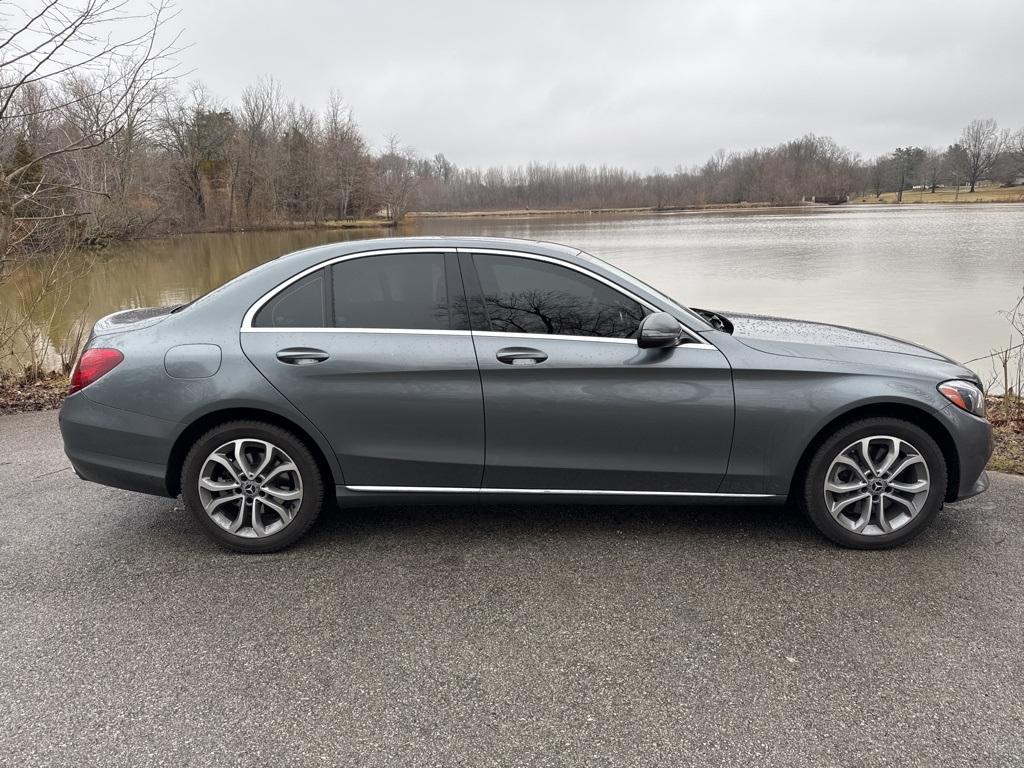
100	140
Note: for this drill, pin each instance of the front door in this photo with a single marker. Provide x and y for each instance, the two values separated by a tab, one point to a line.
572	403
376	351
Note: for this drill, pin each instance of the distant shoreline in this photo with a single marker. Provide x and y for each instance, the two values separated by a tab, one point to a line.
997	195
515	213
1016	195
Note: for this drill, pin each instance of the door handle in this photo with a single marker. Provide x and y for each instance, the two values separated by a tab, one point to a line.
302	356
520	356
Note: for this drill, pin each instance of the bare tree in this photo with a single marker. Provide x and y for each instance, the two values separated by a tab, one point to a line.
73	76
933	168
342	150
260	120
906	161
1015	148
197	136
981	142
396	178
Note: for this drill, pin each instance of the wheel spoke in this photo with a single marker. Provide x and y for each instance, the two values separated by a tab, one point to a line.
257	519
915	487
892	454
883	522
240	459
283	513
839	506
834	487
218	486
905	502
226	464
220	501
865	454
236	524
285	467
283	495
865	516
907	463
847	461
268	456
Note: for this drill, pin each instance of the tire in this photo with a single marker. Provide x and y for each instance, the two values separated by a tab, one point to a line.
899	506
268	511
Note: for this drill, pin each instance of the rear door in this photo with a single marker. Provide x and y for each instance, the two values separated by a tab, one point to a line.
571	401
375	349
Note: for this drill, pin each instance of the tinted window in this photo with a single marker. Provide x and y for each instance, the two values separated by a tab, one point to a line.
527	296
402	290
300	305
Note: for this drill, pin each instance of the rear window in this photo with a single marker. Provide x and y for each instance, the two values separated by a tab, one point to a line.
399	290
300	305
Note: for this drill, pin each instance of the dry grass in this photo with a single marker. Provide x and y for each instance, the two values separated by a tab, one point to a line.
1009	453
23	394
1008	429
949	195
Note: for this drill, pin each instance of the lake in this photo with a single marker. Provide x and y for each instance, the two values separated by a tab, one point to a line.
935	274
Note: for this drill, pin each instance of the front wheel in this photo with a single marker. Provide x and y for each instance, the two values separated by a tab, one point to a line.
253	487
875	483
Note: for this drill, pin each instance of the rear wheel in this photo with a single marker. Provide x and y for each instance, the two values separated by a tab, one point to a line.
875	483
253	487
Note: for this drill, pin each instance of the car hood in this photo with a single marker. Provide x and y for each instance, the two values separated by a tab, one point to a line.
802	338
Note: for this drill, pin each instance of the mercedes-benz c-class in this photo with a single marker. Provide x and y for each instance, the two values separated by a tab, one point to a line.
474	369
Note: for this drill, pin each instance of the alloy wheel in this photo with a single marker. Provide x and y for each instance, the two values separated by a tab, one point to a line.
877	485
250	488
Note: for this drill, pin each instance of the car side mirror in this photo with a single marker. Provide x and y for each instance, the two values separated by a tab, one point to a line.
659	329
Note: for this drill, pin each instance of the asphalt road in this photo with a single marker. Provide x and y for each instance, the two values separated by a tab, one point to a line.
498	636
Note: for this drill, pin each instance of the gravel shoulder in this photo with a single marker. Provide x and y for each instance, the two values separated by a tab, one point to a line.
477	636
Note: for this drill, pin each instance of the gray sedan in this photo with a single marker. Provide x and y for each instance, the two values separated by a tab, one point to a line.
443	370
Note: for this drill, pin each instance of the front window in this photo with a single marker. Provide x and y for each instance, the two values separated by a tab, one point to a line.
530	296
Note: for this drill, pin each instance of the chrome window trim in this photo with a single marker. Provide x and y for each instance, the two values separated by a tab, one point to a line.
247	327
602	339
550	491
400	331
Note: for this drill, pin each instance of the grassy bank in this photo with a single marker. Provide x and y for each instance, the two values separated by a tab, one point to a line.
20	396
950	195
283	226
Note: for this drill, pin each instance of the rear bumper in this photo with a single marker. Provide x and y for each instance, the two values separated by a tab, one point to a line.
114	447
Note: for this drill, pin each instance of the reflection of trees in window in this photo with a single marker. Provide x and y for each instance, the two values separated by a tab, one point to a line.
559	312
529	296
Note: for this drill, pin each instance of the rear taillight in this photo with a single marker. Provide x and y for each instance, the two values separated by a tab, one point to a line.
91	365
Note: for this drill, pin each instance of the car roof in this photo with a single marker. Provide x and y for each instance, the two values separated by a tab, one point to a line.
432	241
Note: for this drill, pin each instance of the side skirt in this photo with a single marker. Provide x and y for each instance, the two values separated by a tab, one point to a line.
390	495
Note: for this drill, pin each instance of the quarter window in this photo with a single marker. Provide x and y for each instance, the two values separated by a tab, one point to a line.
300	305
528	296
400	290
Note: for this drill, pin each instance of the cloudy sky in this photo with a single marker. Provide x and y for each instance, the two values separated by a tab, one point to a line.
641	84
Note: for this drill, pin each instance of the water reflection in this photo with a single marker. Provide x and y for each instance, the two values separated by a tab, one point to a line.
935	274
